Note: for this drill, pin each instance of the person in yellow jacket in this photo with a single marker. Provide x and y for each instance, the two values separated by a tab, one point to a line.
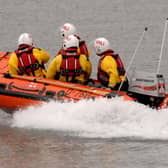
28	60
70	65
111	71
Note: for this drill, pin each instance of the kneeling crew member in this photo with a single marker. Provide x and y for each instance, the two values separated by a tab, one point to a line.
110	67
70	65
28	60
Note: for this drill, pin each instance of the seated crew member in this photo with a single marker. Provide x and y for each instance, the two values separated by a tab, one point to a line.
110	67
70	65
69	29
27	59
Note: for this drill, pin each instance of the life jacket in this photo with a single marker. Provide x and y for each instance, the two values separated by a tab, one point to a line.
102	76
70	65
27	63
82	46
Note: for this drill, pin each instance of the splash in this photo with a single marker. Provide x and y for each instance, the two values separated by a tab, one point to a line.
101	118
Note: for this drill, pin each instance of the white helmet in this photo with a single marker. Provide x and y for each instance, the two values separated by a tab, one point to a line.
67	29
101	45
25	38
70	41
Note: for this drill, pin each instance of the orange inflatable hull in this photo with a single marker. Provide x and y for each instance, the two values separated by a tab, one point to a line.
22	91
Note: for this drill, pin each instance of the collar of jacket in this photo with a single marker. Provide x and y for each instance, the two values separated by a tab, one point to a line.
71	50
23	46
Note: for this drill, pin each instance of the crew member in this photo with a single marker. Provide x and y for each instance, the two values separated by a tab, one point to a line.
70	65
27	59
111	70
69	29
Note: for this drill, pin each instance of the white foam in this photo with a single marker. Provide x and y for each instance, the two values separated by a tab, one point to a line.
101	118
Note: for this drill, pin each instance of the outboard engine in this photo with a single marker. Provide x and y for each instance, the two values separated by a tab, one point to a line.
147	88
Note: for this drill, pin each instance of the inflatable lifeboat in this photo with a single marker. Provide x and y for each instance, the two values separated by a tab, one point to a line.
18	92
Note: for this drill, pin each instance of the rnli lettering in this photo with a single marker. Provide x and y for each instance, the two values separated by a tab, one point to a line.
66	27
77	95
84	95
100	42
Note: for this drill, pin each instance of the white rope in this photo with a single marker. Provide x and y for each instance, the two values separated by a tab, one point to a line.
136	49
163	41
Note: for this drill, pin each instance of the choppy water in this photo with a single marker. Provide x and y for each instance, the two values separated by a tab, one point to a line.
95	134
85	134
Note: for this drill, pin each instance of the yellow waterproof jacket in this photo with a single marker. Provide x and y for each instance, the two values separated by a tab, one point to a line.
54	69
41	56
109	65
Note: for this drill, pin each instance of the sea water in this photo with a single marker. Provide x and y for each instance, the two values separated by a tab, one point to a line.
97	134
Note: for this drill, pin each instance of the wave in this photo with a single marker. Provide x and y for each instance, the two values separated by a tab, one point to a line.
103	118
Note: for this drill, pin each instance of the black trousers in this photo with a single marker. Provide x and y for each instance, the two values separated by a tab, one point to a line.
124	86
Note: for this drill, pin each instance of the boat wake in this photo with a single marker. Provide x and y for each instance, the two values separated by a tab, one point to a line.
102	118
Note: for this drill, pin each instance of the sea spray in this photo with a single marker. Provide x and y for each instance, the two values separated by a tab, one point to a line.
102	118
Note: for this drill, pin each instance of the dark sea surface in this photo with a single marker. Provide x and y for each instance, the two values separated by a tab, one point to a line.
88	134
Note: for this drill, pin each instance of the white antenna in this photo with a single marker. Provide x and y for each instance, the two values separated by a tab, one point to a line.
136	49
163	41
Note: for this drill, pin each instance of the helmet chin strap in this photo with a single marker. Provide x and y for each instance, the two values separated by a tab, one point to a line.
100	54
